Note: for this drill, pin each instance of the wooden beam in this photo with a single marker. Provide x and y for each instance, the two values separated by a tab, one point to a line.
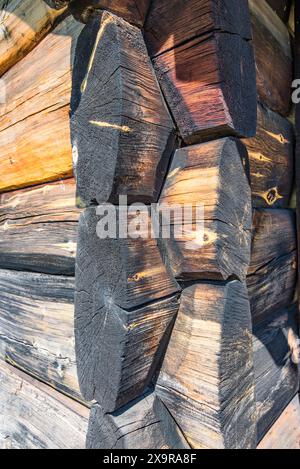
34	129
210	175
126	302
271	159
38	228
144	424
285	433
34	416
272	46
37	327
122	133
276	359
282	8
207	101
271	278
207	380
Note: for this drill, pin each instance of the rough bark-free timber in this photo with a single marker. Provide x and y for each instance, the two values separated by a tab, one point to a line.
34	416
38	228
144	424
276	359
207	380
125	306
272	273
219	97
34	128
23	24
281	7
122	133
273	57
271	159
210	175
285	433
37	327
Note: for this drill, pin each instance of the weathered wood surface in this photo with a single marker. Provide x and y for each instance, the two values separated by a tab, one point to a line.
23	24
34	416
122	133
207	380
38	228
282	8
272	273
285	433
125	305
37	327
272	46
143	424
271	159
297	124
57	4
276	359
211	174
218	98
34	125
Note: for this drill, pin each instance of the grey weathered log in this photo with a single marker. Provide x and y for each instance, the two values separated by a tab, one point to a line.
126	302
207	379
143	424
57	4
122	133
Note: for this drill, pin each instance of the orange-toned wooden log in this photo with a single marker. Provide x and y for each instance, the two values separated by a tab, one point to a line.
34	127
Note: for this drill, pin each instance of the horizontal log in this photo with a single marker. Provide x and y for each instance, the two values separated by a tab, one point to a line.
38	228
122	133
36	327
276	358
34	416
272	46
207	380
271	280
207	101
271	159
285	433
210	175
34	129
126	300
282	8
24	23
144	424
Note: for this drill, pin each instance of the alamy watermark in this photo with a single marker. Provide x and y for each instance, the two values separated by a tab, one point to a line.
296	93
2	91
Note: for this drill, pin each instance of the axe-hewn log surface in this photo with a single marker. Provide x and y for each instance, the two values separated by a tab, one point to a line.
207	380
282	8
145	424
276	358
218	98
23	24
210	175
272	273
271	159
285	433
126	302
37	327
34	125
122	133
272	46
38	228
34	416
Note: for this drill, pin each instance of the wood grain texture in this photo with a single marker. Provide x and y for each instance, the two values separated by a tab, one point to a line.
23	24
34	125
285	433
38	228
276	359
207	380
37	327
210	174
144	424
34	416
271	159
122	133
282	8
218	98
125	305
271	46
272	273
